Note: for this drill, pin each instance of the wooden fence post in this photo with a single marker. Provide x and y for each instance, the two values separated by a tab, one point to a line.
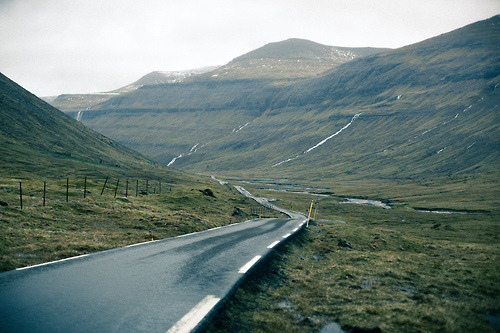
67	189
105	182
44	191
116	188
21	194
85	188
126	189
137	188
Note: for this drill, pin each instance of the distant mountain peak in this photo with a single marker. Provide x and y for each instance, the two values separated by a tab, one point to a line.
290	58
162	77
81	102
421	111
292	48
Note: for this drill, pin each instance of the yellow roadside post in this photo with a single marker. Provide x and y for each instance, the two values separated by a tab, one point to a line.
309	216
315	210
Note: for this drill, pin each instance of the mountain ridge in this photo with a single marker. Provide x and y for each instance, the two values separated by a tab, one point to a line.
81	102
316	58
293	58
297	48
37	138
242	127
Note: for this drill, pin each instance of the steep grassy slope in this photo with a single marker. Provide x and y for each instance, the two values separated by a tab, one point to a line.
37	138
164	121
68	207
148	117
425	111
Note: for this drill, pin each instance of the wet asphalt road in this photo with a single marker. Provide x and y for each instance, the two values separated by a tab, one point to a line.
151	287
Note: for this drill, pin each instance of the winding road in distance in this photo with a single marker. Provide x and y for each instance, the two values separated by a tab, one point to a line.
169	285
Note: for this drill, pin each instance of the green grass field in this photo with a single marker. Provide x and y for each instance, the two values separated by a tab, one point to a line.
61	229
360	266
398	270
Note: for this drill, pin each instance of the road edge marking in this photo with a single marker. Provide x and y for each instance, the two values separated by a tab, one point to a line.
249	264
195	316
51	262
273	244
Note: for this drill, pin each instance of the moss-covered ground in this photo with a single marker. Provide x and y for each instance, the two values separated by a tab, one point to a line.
394	270
61	229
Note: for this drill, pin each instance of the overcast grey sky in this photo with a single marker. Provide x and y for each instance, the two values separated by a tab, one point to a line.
52	47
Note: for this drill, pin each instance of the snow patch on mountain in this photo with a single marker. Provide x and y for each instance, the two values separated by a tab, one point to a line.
446	122
236	130
333	135
440	150
174	159
197	146
193	150
288	160
470	146
321	142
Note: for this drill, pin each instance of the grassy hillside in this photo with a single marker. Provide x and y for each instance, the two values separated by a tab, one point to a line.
290	59
424	111
366	268
37	138
429	109
152	119
66	190
425	114
52	228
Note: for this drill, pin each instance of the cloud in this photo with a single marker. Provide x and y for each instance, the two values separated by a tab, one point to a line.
62	46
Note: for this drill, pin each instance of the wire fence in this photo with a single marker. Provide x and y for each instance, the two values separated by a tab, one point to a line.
29	193
37	193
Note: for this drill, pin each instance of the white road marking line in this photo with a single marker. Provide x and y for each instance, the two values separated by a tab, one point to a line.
273	245
295	229
286	235
127	246
52	262
132	245
191	233
193	317
249	264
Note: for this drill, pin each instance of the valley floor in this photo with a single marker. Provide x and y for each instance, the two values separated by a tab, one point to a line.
367	267
39	232
397	269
